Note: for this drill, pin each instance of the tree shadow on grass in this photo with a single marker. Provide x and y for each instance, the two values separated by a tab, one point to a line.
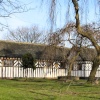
29	80
91	97
51	97
83	84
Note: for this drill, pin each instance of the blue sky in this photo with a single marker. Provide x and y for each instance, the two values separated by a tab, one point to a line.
35	16
39	15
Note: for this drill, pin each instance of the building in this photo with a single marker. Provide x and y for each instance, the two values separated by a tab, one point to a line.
51	60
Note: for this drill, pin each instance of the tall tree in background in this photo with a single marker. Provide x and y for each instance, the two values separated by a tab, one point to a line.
25	34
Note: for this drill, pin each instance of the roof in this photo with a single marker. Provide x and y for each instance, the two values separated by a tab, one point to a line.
41	51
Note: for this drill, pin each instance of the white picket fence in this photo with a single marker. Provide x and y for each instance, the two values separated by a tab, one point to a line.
11	72
43	70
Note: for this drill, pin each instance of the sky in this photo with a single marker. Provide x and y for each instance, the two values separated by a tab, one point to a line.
38	15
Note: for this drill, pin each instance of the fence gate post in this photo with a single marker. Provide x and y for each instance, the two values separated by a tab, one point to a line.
2	68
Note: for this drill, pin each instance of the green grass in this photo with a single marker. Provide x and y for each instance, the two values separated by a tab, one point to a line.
43	89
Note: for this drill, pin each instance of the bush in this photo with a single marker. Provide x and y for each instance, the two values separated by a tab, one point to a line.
28	61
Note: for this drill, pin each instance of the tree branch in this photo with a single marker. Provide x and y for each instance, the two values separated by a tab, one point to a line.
80	30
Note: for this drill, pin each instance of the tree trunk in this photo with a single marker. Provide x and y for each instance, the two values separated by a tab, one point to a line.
71	63
95	66
69	70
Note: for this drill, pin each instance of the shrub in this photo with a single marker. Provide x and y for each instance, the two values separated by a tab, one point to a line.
28	61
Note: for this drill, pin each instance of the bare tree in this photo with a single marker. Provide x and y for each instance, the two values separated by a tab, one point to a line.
87	34
9	7
77	41
56	39
25	34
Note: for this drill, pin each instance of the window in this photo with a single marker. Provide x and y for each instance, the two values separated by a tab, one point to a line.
77	66
8	62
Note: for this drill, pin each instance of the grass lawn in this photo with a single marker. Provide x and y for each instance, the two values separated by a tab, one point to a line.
43	89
